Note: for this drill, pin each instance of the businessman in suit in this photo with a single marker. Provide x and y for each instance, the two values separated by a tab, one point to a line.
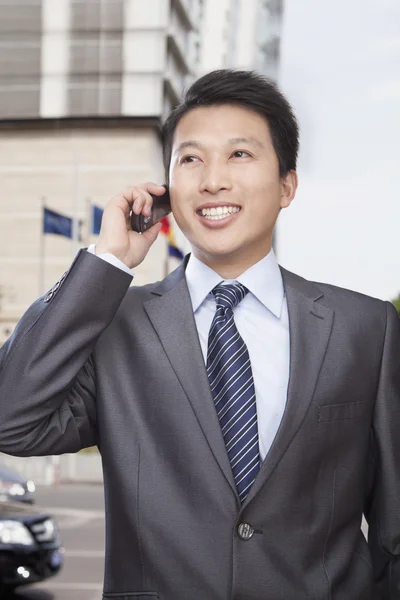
246	418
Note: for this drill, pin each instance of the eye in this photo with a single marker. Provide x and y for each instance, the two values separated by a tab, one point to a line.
241	154
188	159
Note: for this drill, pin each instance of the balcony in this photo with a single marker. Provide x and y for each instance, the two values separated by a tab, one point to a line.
184	9
275	7
178	40
174	78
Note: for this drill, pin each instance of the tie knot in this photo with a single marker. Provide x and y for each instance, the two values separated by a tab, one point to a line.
229	295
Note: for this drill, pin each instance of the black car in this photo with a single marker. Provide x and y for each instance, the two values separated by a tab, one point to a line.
15	487
30	547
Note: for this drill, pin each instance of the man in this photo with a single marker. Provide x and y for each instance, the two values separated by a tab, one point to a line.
246	417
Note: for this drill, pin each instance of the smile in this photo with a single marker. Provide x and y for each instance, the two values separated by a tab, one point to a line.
216	213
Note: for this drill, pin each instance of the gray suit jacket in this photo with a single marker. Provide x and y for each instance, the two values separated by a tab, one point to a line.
96	363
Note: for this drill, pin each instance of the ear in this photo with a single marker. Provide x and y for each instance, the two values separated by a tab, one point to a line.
289	185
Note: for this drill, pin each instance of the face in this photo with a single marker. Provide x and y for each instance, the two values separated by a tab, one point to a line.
225	187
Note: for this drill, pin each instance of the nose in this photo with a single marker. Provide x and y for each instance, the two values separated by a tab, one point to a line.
215	178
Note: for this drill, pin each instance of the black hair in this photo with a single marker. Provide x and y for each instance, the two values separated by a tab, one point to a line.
249	90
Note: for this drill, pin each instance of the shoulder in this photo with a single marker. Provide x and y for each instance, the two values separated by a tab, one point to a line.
336	297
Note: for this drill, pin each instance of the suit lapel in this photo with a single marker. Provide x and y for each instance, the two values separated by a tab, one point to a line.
171	314
310	325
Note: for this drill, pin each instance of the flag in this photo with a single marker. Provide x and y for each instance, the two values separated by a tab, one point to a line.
54	222
97	214
166	229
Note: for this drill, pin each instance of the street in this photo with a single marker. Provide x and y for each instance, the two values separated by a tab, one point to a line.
79	511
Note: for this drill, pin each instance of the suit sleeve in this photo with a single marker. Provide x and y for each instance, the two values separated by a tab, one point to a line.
47	374
382	509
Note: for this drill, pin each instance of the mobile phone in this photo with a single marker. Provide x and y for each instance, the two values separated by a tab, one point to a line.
160	209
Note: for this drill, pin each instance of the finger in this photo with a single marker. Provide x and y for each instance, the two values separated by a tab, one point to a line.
148	204
130	195
139	202
154	188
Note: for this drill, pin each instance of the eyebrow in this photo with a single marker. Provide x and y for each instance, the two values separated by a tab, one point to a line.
243	140
232	142
189	143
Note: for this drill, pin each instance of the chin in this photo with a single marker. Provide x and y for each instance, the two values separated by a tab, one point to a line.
218	252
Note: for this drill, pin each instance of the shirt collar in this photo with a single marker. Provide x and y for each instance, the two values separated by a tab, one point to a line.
263	280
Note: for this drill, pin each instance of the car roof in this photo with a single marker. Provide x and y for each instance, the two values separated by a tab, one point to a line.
9	475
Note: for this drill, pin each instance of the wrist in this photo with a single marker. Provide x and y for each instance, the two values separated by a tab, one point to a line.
101	250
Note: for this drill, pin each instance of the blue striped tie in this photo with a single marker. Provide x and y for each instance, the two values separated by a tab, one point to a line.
231	380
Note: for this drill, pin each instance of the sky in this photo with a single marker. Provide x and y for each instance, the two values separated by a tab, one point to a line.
340	69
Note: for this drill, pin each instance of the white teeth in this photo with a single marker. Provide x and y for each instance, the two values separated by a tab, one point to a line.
219	212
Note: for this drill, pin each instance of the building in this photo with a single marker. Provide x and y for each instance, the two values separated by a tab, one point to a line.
84	85
241	34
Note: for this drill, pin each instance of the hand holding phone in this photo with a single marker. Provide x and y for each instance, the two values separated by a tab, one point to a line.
123	235
160	209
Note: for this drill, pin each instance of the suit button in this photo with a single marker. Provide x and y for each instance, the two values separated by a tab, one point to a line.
245	531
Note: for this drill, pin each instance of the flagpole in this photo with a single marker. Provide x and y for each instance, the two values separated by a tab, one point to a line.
42	249
89	221
75	207
166	263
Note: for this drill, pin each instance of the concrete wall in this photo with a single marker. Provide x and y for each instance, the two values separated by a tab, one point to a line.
66	167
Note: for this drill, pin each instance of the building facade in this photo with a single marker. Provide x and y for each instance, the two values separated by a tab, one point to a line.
244	34
84	86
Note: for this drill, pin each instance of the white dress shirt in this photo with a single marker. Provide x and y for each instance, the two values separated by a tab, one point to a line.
262	321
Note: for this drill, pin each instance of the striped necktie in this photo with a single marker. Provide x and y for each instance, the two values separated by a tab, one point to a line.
232	386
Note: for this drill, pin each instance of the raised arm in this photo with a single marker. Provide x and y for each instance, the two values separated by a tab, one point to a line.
47	378
47	375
